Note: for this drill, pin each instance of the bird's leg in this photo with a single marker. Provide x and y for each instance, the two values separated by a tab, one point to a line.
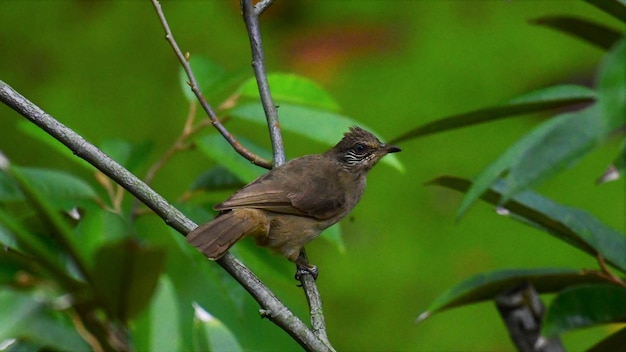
304	267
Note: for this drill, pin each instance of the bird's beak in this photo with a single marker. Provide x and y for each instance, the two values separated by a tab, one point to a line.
390	148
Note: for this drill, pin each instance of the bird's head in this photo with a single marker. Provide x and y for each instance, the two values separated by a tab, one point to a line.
360	150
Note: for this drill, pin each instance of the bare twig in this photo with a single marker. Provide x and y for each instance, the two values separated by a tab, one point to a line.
607	273
203	102
251	18
275	309
251	15
262	6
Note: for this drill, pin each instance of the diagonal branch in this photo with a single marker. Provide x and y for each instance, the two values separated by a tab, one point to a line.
255	159
251	15
274	308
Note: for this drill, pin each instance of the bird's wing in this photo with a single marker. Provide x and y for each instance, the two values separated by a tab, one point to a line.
295	188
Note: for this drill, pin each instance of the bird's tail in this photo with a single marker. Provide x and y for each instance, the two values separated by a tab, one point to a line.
216	237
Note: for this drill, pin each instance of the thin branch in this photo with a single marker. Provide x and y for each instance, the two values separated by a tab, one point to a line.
275	309
255	159
607	273
251	18
262	6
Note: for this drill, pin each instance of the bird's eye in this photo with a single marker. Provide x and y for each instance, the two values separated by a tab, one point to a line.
359	148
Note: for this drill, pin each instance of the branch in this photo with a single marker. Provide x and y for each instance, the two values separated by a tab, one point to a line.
251	15
522	311
255	159
251	18
274	309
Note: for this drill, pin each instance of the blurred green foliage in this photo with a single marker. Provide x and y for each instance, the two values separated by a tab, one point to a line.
103	69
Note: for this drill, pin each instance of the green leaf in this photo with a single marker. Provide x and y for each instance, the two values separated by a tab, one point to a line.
594	33
611	86
617	169
615	8
571	225
486	286
9	190
561	146
24	315
207	73
614	342
52	184
13	266
210	334
292	89
128	154
584	306
215	147
321	126
42	136
58	228
551	147
535	101
216	178
7	239
38	251
560	142
96	228
162	319
125	275
333	235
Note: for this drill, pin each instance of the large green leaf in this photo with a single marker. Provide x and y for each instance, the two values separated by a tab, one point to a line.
560	146
52	184
615	8
57	227
333	235
34	246
535	101
9	190
25	315
584	306
210	334
611	86
560	142
487	286
215	147
158	328
322	126
594	33
292	89
97	227
571	225
617	168
555	145
620	161
125	275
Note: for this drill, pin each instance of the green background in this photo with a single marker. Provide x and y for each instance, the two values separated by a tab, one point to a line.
105	70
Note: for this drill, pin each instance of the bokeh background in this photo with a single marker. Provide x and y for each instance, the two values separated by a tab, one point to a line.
104	69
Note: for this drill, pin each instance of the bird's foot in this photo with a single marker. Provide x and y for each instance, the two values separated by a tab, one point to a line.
306	270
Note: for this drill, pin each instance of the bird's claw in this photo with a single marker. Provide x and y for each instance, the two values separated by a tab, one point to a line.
303	270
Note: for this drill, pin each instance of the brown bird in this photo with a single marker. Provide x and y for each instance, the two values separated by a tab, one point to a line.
290	205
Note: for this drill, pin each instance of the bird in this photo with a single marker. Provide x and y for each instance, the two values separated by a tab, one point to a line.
292	204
